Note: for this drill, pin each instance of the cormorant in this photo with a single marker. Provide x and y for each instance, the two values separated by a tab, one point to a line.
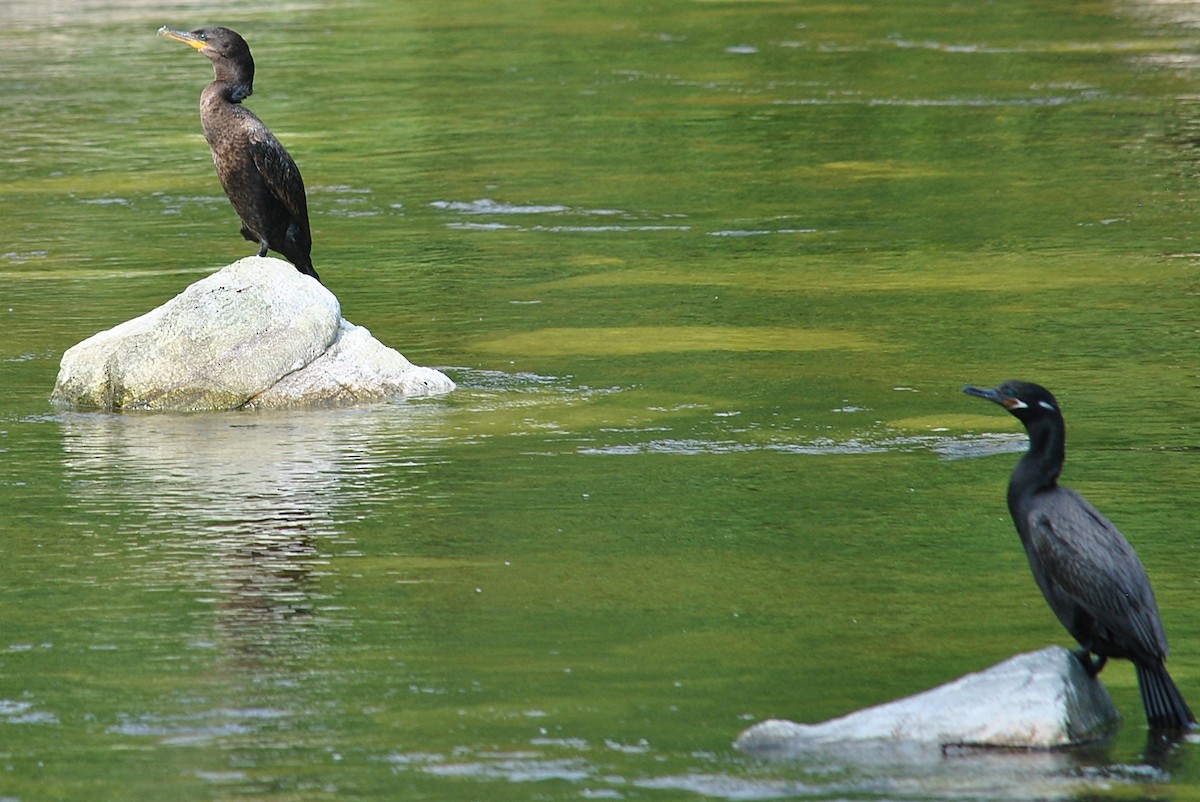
1086	569
257	173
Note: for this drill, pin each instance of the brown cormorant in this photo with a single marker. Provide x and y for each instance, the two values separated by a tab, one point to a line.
1088	572
257	173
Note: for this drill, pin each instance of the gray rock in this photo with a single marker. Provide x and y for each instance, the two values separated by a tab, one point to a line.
1037	700
254	334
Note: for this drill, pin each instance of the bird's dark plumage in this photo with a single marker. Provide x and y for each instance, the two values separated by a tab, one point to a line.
1086	569
256	171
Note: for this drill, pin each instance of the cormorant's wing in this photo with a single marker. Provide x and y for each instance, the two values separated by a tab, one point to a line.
1089	561
281	175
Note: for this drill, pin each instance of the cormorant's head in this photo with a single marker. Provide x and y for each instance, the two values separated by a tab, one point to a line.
226	49
1026	400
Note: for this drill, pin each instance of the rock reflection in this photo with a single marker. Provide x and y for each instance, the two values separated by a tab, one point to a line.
242	508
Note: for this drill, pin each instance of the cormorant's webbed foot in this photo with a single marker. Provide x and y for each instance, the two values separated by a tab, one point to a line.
262	249
1092	667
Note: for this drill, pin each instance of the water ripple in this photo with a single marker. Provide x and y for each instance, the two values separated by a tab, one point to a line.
947	446
489	206
1005	776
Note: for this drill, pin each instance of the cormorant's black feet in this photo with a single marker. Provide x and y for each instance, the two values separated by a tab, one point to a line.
262	251
1092	667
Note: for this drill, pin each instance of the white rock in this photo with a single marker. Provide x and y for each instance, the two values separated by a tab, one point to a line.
355	367
256	333
1037	700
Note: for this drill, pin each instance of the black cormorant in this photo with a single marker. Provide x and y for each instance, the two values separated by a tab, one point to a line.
1088	572
257	173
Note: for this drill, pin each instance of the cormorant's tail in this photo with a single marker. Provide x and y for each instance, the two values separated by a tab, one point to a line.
303	263
1165	707
297	246
309	270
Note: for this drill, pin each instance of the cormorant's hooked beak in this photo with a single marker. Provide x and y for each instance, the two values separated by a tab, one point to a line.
993	394
188	38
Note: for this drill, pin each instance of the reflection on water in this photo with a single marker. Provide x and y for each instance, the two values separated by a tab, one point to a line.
241	508
242	476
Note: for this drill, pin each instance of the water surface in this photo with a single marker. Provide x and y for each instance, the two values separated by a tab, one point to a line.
709	276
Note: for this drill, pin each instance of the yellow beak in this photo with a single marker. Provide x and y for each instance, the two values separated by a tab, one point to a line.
187	38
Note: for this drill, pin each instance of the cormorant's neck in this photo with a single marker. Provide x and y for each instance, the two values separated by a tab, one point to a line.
234	93
234	82
1042	463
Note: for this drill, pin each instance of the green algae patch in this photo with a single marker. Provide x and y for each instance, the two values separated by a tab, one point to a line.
878	170
631	340
941	273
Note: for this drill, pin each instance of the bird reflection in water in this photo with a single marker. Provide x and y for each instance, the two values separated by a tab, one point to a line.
266	589
235	513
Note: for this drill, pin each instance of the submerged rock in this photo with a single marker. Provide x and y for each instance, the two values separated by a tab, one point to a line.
1038	700
255	334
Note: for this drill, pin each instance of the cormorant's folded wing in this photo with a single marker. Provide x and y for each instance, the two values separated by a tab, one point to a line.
281	174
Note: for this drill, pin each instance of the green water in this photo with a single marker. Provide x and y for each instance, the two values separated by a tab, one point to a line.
710	276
